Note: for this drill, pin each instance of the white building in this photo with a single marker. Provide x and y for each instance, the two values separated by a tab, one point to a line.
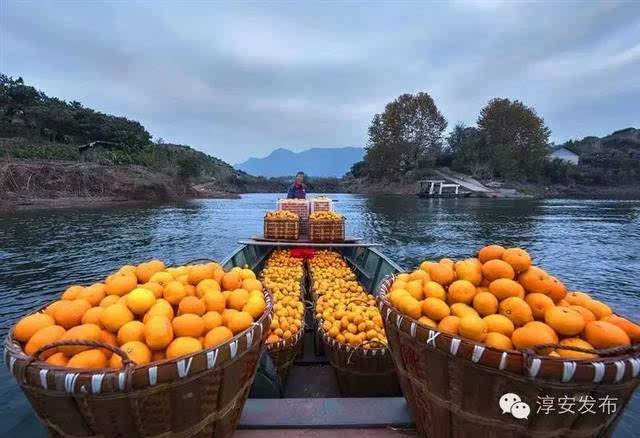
565	155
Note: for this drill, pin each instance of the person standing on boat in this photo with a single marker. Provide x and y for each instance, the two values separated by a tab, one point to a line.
297	189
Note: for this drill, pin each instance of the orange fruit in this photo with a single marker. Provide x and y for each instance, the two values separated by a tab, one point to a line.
414	287
449	324
577	298
94	359
162	308
197	273
226	314
140	300
576	342
504	288
211	320
563	303
461	291
137	351
630	328
109	300
158	332
92	316
410	306
539	304
485	303
29	325
156	288
42	337
182	346
127	269
490	252
403	277
447	262
157	355
57	360
517	310
131	331
396	295
115	316
426	265
518	258
472	327
541	326
419	275
442	274
427	322
84	332
120	284
217	336
188	324
174	292
462	309
192	305
499	324
431	289
530	336
399	284
143	272
239	321
494	269
161	278
435	309
214	301
251	284
70	313
598	308
586	313
106	337
72	292
255	307
237	299
231	281
603	334
535	280
498	340
469	270
94	293
556	289
207	285
564	320
51	308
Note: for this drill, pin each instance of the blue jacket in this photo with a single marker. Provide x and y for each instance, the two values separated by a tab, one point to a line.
296	192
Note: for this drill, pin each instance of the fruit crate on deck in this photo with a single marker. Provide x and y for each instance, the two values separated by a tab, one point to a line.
284	229
321	204
326	230
299	207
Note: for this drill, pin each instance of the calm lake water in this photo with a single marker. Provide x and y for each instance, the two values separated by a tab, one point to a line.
591	245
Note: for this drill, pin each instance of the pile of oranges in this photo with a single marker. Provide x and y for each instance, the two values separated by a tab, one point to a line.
282	275
327	215
346	312
282	215
150	311
500	299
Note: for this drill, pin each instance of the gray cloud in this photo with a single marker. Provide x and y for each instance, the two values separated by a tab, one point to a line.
237	81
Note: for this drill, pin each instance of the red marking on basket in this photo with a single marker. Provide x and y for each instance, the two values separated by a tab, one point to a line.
302	253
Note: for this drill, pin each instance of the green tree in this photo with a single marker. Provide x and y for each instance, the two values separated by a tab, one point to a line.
407	135
517	138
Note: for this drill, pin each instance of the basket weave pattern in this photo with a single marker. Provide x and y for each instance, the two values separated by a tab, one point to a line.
197	395
326	230
453	386
284	229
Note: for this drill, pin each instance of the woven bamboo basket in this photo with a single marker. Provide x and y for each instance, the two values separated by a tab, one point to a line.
284	229
299	207
284	353
326	230
454	386
321	204
197	395
361	372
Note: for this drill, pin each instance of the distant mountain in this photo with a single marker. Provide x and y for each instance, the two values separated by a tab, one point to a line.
328	162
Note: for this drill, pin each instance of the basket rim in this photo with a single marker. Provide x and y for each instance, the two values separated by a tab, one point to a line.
530	359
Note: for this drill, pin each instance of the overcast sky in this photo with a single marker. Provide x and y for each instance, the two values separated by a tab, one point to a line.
238	81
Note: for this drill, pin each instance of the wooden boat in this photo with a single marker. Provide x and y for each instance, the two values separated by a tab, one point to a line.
312	395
